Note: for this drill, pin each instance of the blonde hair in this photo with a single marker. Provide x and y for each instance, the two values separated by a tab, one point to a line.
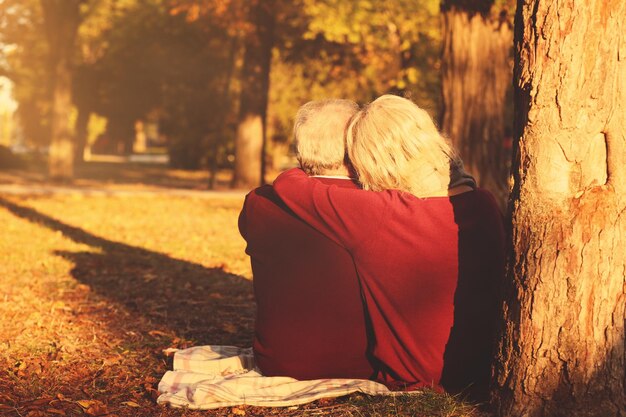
394	144
319	133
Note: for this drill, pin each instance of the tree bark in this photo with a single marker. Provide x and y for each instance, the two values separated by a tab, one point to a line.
562	346
82	124
61	20
234	53
250	135
476	76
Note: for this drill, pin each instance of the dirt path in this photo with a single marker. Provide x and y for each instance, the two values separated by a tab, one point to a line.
47	189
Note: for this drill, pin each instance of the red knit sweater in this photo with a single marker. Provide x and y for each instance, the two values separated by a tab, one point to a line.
310	317
424	265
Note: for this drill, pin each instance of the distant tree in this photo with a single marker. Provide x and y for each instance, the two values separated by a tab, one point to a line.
85	97
476	79
61	20
562	350
24	62
206	130
320	48
39	52
91	45
358	50
386	47
125	79
148	62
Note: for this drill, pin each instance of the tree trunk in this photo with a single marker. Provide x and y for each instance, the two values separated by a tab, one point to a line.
82	124
562	347
250	135
61	157
234	54
61	19
476	77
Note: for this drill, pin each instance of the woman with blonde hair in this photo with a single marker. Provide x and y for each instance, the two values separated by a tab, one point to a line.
428	246
394	145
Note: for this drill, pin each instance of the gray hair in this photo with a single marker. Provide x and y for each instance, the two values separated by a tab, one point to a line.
319	133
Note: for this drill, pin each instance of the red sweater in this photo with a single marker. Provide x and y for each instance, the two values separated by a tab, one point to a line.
310	318
424	265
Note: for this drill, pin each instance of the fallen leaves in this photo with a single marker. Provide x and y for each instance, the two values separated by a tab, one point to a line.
238	411
155	333
149	384
89	310
229	328
93	407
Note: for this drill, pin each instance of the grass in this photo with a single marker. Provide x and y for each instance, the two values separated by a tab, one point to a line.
94	288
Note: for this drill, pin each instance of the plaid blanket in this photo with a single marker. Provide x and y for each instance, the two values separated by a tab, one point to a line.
206	377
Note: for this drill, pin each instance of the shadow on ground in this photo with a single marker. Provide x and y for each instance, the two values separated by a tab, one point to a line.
204	305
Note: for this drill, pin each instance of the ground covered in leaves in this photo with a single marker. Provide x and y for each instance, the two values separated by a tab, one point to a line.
93	289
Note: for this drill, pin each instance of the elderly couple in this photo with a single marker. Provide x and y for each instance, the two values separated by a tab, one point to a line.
379	258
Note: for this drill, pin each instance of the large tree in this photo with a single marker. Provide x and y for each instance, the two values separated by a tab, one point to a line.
562	347
61	21
476	76
250	136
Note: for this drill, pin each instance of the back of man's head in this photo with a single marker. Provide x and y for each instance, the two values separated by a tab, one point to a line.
319	132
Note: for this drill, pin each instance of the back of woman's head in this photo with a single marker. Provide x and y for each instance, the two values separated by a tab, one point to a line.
394	144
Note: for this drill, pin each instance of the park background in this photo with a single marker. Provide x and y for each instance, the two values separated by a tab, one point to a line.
130	131
215	84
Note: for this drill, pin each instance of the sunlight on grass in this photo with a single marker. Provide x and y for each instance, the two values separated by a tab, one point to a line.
95	287
197	230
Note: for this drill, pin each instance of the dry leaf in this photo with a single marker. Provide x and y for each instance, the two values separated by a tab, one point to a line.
326	401
131	404
229	328
153	392
93	407
170	351
85	403
39	402
97	410
238	411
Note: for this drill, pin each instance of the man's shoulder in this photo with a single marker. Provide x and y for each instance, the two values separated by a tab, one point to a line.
261	195
266	195
266	191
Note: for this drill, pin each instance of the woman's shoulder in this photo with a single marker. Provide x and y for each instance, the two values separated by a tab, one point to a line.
487	197
479	200
477	193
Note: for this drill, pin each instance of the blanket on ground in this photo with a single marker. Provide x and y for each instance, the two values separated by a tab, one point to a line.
206	377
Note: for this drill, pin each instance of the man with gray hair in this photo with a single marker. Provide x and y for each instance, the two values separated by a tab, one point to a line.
319	132
310	320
